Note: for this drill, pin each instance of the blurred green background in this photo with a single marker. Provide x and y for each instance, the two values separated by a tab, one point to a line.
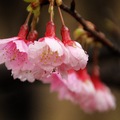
33	101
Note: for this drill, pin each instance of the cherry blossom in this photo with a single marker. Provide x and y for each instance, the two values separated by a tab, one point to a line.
48	52
13	50
73	88
77	56
28	71
14	53
104	100
88	92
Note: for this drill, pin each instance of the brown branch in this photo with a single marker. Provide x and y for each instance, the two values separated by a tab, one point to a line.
99	36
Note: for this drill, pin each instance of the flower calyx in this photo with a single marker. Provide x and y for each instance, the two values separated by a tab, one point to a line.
66	39
23	31
50	29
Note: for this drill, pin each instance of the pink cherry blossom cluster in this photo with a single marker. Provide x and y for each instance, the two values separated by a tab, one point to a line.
62	63
84	90
31	59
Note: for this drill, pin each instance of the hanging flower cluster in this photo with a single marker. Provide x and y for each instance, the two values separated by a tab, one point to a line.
82	89
62	63
30	59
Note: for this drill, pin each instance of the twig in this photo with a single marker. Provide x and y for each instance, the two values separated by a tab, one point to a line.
95	33
98	35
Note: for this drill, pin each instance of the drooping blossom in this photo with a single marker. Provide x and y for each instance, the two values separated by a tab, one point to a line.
13	50
14	53
29	71
48	52
74	88
104	100
88	92
77	56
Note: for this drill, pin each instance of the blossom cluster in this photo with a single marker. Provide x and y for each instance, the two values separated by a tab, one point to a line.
84	90
36	59
62	63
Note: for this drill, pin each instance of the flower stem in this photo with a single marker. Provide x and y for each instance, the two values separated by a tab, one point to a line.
51	9
28	18
34	22
61	16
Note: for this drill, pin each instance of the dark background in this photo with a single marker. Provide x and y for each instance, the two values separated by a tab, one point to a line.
33	101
